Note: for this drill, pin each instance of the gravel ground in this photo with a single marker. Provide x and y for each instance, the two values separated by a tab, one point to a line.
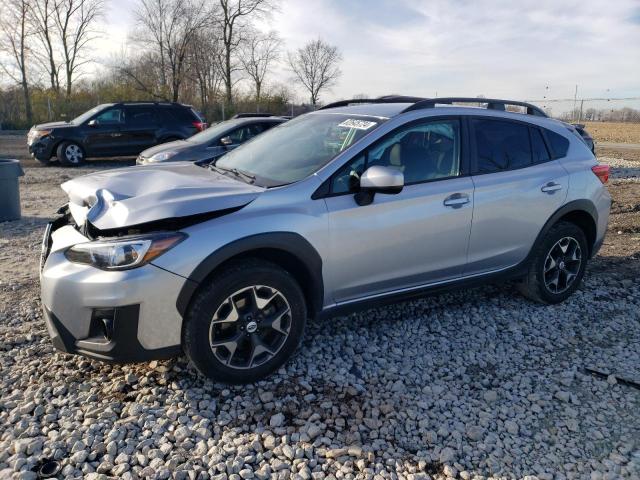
471	385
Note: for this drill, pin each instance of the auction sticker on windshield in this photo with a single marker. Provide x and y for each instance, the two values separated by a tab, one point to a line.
357	124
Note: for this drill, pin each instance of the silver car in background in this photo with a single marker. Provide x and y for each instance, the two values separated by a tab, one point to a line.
213	142
359	203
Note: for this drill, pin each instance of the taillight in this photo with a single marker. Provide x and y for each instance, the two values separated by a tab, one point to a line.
602	172
200	126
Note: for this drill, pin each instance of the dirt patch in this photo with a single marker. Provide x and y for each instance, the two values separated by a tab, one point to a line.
614	132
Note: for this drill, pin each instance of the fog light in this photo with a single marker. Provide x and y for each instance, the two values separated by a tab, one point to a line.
102	323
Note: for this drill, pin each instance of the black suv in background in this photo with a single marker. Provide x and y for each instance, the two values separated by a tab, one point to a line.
213	142
112	130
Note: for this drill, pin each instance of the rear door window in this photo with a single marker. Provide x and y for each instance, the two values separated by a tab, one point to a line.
140	115
501	145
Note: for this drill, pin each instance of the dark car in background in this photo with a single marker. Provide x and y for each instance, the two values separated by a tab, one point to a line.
588	139
213	142
113	130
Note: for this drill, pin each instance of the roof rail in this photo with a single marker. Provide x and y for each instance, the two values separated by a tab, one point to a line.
383	99
252	115
492	104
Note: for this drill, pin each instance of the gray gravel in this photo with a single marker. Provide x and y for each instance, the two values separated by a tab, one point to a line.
471	385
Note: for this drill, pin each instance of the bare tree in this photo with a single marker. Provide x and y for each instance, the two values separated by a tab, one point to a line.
172	27
204	67
233	14
15	31
258	53
74	20
316	67
42	18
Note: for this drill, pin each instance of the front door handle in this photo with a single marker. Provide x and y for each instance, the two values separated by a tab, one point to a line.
456	200
116	134
551	187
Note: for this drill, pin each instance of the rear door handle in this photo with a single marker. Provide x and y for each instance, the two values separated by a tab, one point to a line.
456	200
551	187
116	134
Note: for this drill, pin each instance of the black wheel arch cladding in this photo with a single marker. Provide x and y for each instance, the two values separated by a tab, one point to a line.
289	250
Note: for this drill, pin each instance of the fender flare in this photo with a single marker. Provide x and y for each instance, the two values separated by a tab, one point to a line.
573	206
288	242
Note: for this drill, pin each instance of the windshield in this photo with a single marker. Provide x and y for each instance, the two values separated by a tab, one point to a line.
212	132
296	149
90	113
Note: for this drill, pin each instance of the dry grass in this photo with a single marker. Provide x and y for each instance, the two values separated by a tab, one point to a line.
614	132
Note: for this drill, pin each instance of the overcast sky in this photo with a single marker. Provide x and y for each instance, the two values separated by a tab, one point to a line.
524	49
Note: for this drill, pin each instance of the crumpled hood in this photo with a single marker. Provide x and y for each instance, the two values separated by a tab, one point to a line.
133	196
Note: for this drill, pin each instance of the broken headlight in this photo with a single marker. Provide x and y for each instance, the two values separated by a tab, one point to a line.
125	252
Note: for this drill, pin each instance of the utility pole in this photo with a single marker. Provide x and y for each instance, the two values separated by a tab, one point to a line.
581	105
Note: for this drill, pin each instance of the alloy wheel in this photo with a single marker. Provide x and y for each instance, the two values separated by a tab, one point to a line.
73	153
250	327
562	265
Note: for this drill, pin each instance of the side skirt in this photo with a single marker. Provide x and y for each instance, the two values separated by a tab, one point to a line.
510	273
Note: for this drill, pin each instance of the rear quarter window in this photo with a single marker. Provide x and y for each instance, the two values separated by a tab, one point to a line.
559	144
179	114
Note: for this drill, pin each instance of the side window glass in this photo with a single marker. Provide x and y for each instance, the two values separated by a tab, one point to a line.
422	152
239	135
559	144
538	147
140	116
347	178
113	116
501	145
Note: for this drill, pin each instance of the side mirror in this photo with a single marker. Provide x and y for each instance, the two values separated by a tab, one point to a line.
378	179
93	123
226	141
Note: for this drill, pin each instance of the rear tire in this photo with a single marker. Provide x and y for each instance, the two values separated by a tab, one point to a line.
557	265
245	322
70	154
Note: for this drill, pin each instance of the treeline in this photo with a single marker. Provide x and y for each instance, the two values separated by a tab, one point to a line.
207	53
625	114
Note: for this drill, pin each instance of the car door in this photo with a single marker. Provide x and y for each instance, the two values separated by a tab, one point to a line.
103	133
412	238
518	186
139	129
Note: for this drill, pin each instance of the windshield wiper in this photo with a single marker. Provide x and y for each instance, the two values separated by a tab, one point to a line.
238	173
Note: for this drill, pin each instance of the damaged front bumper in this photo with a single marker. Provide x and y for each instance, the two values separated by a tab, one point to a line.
121	316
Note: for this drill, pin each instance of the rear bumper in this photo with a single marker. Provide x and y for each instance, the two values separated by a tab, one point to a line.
118	316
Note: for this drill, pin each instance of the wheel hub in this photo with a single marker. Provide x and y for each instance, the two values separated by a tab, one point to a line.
251	327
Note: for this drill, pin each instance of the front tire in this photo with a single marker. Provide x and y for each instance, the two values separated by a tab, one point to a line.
70	154
557	266
245	322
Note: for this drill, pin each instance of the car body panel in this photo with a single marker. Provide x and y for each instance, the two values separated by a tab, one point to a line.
399	240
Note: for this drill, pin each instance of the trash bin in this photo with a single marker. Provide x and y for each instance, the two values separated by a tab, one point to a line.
10	170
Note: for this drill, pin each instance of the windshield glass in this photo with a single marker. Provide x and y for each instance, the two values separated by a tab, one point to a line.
212	132
299	147
90	113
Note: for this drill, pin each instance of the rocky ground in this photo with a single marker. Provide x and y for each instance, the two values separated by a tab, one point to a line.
474	385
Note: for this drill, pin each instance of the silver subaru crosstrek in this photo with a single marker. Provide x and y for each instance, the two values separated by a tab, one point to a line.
359	203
